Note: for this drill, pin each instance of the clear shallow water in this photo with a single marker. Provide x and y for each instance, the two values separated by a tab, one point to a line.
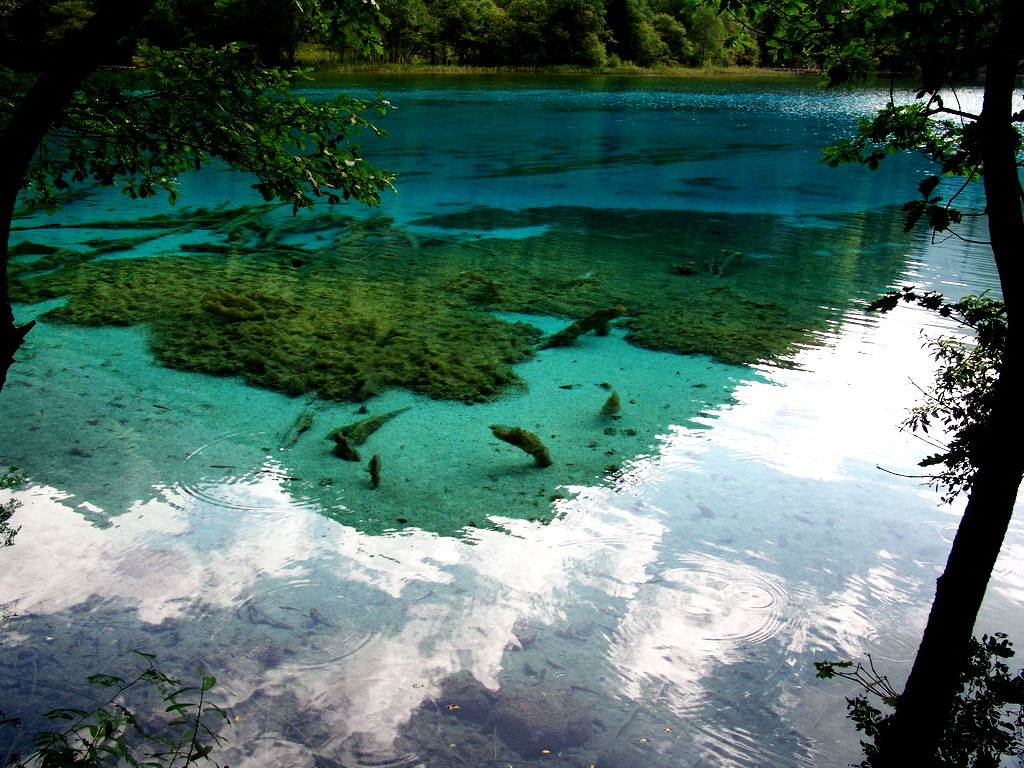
675	611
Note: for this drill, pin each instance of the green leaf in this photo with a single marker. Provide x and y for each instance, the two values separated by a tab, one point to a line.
927	186
914	209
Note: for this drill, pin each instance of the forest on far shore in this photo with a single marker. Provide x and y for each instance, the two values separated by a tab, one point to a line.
585	33
485	33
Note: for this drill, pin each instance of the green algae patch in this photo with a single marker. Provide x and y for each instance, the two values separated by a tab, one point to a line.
344	338
346	307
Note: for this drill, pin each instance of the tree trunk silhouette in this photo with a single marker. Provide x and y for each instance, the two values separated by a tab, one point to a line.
43	106
923	708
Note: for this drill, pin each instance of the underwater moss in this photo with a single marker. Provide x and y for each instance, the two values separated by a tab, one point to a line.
478	288
344	338
612	405
238	308
384	311
27	247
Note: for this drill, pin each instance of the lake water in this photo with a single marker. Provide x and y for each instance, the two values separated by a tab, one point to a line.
656	597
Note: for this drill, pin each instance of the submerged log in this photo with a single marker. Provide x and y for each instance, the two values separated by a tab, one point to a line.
302	423
374	470
524	440
343	447
348	437
597	321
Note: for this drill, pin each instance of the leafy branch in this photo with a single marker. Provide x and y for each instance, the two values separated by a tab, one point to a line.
180	109
867	678
10	478
110	734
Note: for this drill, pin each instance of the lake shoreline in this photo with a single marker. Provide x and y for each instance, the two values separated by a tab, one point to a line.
569	70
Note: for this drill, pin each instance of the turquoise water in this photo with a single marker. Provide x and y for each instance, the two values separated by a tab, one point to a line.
670	612
610	143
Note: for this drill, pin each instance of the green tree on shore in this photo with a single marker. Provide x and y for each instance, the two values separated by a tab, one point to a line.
939	43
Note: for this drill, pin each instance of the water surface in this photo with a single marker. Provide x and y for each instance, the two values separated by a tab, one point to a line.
664	593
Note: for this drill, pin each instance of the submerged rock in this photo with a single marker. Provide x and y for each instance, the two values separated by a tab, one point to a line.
465	697
532	719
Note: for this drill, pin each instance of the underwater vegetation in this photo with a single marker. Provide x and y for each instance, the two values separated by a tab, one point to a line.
345	307
342	309
294	327
612	405
752	287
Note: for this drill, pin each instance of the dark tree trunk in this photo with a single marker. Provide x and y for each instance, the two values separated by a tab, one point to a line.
925	704
43	106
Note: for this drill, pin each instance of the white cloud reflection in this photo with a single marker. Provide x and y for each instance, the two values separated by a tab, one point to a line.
849	410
